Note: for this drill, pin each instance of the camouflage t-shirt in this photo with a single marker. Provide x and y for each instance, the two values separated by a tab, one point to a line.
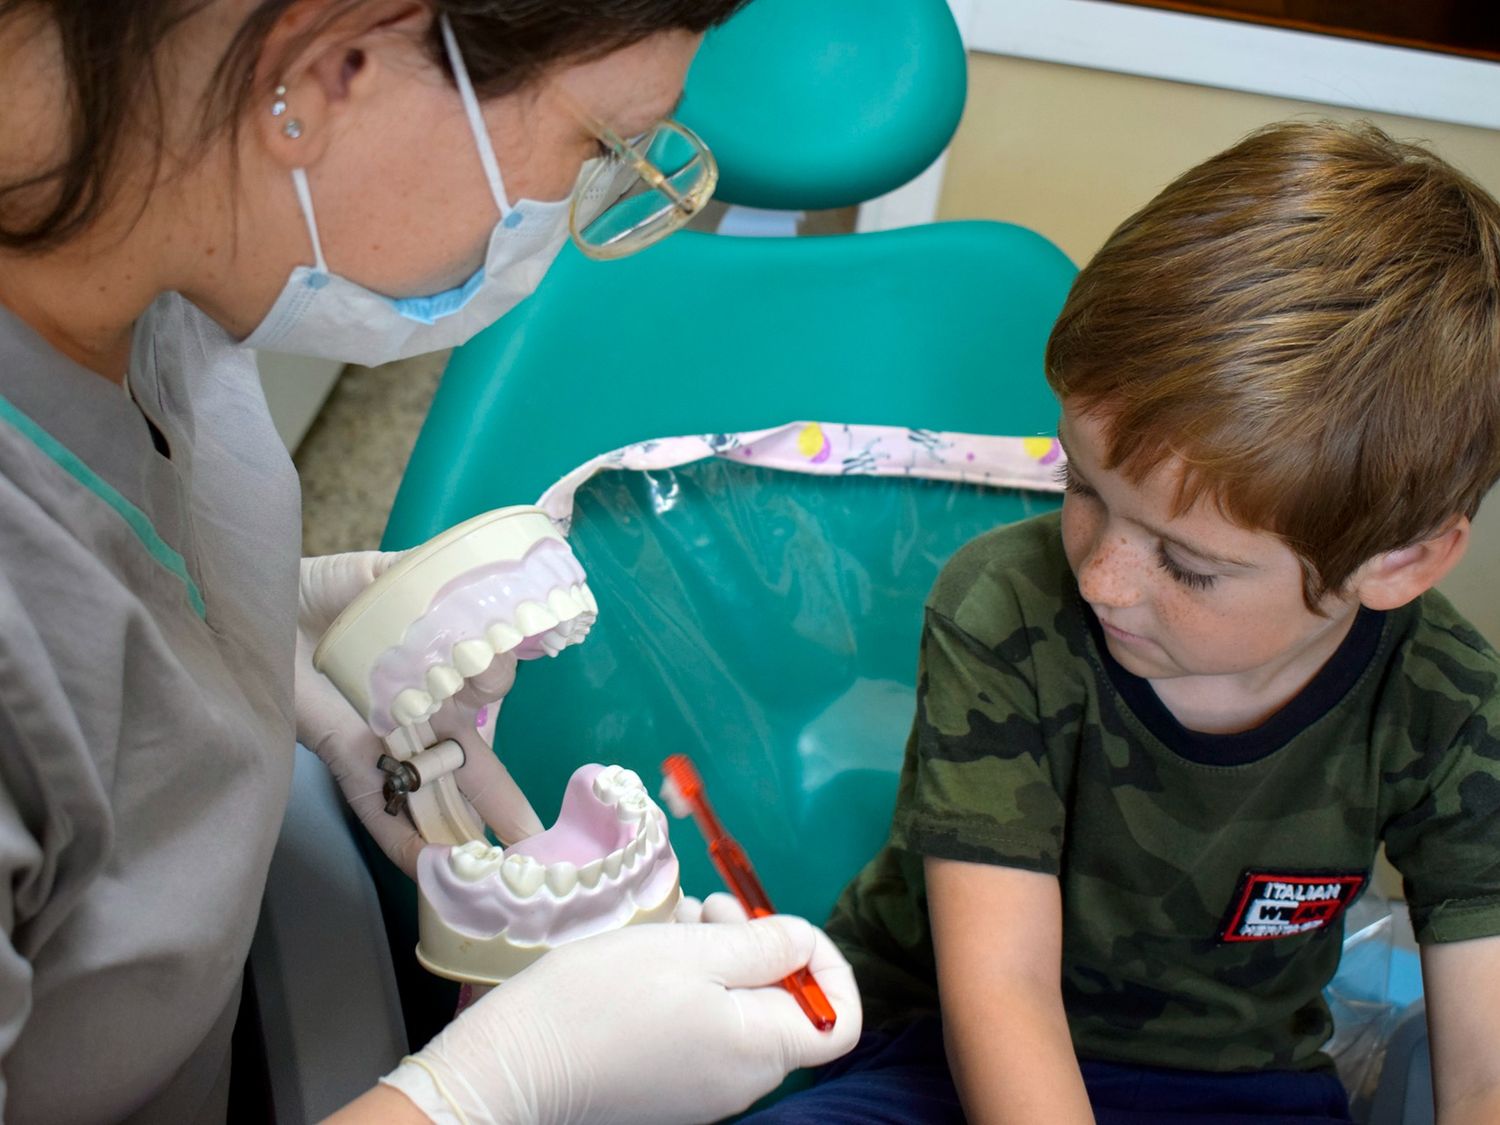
1203	877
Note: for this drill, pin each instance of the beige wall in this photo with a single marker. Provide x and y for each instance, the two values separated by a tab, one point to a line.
1071	152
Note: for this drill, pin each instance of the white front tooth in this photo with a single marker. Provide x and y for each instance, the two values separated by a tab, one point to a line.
586	596
411	706
564	604
503	636
654	830
632	851
522	874
613	862
562	877
474	861
472	657
632	805
589	873
443	680
533	619
606	784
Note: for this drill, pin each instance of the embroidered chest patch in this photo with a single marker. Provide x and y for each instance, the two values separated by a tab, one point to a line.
1268	905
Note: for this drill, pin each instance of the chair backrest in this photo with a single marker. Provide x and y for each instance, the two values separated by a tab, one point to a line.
826	104
940	326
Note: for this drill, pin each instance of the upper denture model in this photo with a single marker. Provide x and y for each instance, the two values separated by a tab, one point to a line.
486	913
504	583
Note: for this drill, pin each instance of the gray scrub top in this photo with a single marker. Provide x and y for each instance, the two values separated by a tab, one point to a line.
147	618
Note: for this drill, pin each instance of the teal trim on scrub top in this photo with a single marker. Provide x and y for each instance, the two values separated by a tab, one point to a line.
69	462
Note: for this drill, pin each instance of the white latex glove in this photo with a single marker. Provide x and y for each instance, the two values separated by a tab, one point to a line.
331	728
655	1024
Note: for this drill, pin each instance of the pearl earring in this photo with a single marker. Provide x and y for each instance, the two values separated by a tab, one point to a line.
293	127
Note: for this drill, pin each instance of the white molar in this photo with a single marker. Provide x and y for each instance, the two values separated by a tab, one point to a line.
614	782
633	805
476	860
523	875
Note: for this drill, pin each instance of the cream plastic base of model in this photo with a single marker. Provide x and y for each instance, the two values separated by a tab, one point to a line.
447	953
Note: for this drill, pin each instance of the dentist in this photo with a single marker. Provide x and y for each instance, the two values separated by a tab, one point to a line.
356	179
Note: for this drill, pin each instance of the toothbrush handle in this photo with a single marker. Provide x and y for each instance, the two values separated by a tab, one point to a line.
734	866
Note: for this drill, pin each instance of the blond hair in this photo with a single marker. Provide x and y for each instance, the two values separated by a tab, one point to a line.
1310	321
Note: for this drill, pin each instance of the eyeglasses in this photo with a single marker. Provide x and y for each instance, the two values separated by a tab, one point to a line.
645	189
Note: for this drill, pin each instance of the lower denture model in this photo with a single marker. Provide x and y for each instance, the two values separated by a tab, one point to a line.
453	614
486	913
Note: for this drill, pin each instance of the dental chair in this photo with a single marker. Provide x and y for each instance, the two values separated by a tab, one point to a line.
940	327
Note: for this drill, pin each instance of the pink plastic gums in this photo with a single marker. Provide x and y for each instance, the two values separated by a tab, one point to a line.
587	830
462	610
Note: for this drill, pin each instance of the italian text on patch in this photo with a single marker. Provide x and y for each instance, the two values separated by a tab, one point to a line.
1269	905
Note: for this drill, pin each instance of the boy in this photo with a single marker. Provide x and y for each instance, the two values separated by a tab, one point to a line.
1160	736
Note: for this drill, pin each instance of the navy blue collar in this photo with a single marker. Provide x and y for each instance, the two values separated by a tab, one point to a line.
1331	684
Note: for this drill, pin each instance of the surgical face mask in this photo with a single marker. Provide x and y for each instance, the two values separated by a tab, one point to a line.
324	315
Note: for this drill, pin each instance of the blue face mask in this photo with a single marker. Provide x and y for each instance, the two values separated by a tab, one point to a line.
322	314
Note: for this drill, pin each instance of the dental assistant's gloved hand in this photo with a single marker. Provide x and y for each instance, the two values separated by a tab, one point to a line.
655	1024
332	729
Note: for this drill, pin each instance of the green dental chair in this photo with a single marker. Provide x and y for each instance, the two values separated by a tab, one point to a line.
710	639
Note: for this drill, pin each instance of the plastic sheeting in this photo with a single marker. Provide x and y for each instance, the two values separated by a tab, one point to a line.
765	623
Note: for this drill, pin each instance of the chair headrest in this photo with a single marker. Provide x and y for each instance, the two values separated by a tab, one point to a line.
815	105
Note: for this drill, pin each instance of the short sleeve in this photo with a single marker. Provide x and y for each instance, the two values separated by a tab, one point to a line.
978	785
1447	847
19	853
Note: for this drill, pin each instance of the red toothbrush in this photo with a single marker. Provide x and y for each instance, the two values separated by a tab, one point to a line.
682	790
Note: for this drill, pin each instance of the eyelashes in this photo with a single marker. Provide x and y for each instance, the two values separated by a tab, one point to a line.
1190	579
1064	476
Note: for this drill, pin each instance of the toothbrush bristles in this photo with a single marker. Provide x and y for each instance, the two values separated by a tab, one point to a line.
672	797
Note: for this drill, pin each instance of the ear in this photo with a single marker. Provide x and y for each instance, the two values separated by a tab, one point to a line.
329	63
1393	578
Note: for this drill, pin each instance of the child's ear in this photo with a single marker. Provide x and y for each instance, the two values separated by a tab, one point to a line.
1393	578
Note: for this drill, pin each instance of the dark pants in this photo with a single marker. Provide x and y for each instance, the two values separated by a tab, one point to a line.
903	1077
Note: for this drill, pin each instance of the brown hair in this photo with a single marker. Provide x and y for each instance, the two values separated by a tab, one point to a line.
1310	321
113	53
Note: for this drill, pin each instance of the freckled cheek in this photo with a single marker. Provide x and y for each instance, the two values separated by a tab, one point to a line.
1080	530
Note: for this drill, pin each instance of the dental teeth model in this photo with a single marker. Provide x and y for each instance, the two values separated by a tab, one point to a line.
505	582
486	913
